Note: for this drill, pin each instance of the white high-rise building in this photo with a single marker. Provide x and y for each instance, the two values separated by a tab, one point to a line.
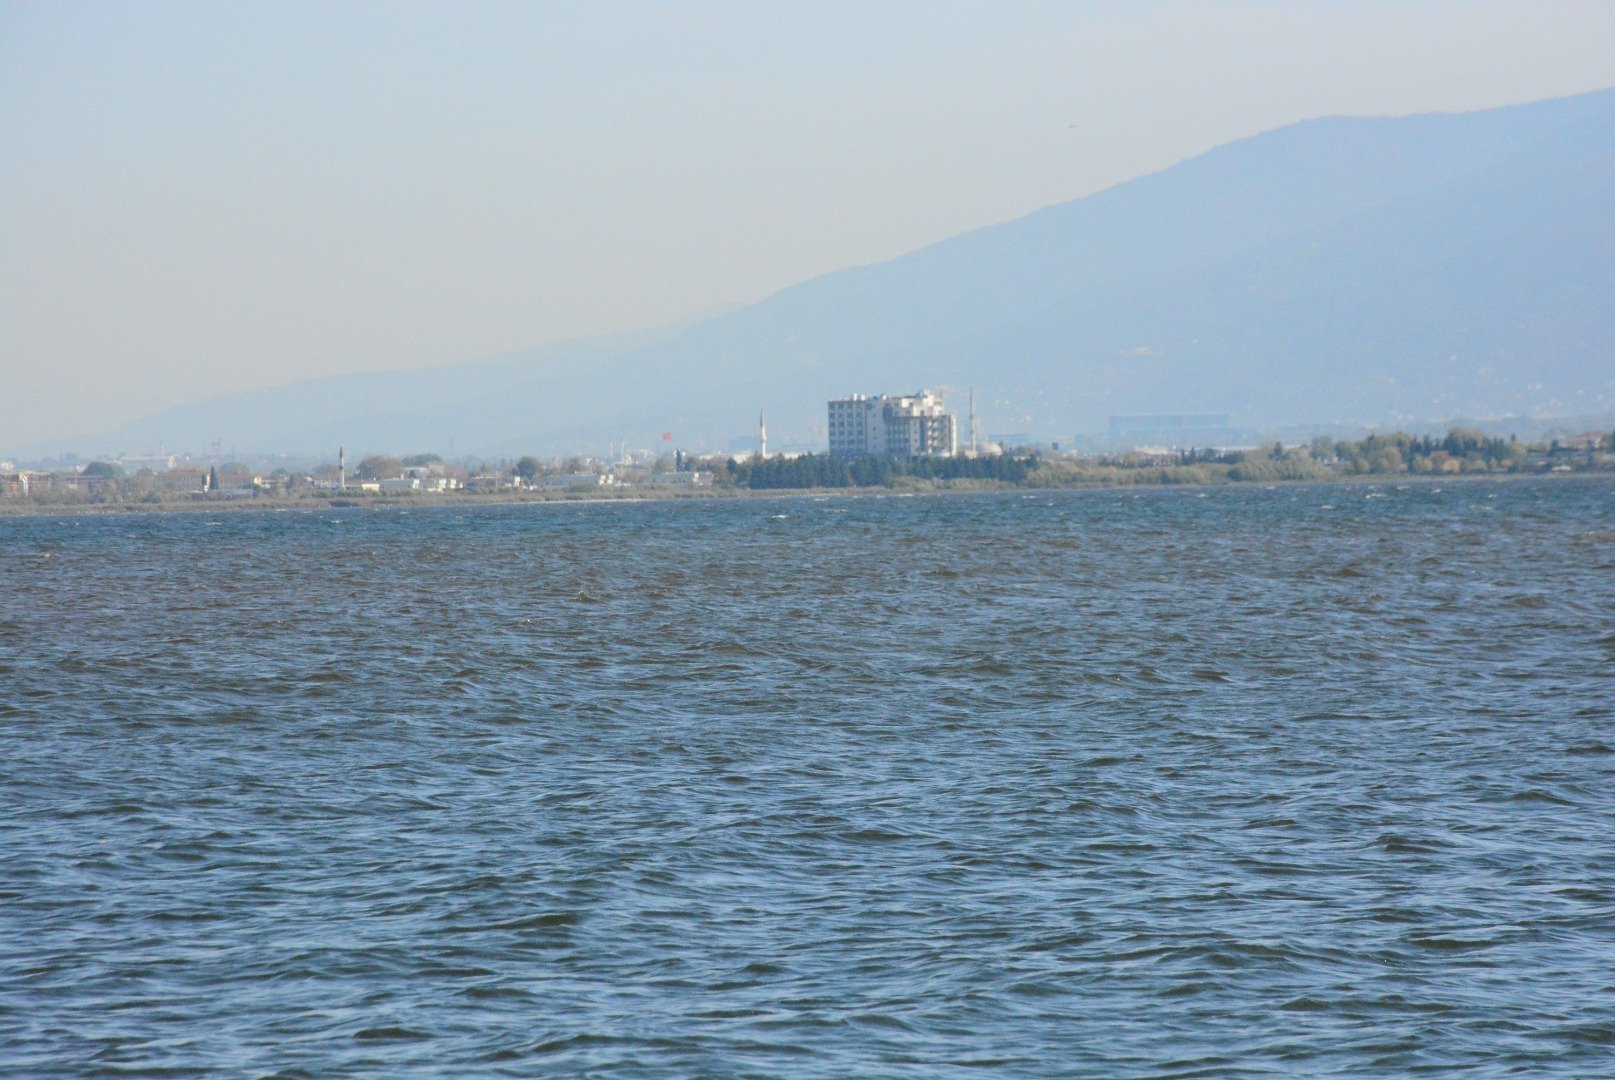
914	425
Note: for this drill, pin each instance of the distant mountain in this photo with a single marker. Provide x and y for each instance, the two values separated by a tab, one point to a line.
1338	270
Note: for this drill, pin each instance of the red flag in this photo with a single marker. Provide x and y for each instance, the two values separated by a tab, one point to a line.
667	436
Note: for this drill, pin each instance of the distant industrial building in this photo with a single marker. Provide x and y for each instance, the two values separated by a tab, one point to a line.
914	425
1173	430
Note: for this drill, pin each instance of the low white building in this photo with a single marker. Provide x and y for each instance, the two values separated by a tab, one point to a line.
572	480
680	479
157	463
420	483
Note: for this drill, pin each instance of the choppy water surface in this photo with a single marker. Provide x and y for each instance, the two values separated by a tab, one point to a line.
1305	781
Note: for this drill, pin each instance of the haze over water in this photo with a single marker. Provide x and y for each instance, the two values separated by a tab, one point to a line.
1315	780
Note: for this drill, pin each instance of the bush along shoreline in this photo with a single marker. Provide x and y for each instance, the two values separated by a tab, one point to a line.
1461	452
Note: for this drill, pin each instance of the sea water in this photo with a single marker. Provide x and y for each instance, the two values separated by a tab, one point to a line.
1310	780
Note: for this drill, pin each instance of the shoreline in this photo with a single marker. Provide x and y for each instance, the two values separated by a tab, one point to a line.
312	504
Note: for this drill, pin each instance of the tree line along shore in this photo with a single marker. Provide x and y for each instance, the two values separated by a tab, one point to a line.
1461	452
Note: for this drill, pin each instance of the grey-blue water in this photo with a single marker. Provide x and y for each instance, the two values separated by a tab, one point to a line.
1306	781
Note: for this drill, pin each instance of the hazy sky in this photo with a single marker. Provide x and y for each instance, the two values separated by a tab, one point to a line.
202	198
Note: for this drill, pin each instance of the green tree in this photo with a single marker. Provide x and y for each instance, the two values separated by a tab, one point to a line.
528	467
1387	459
379	467
1464	442
106	470
415	461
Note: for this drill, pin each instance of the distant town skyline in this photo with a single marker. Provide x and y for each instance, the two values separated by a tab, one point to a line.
201	200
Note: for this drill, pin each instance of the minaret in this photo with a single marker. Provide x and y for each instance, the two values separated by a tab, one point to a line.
972	423
341	470
762	437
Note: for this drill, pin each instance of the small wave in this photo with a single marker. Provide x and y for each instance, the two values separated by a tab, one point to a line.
497	993
546	921
1307	1005
390	1033
1398	844
1587	1034
1539	796
1451	942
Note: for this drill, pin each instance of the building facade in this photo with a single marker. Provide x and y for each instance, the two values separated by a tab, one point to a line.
915	425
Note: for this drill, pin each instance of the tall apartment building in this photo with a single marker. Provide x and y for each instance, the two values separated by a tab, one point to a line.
911	426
